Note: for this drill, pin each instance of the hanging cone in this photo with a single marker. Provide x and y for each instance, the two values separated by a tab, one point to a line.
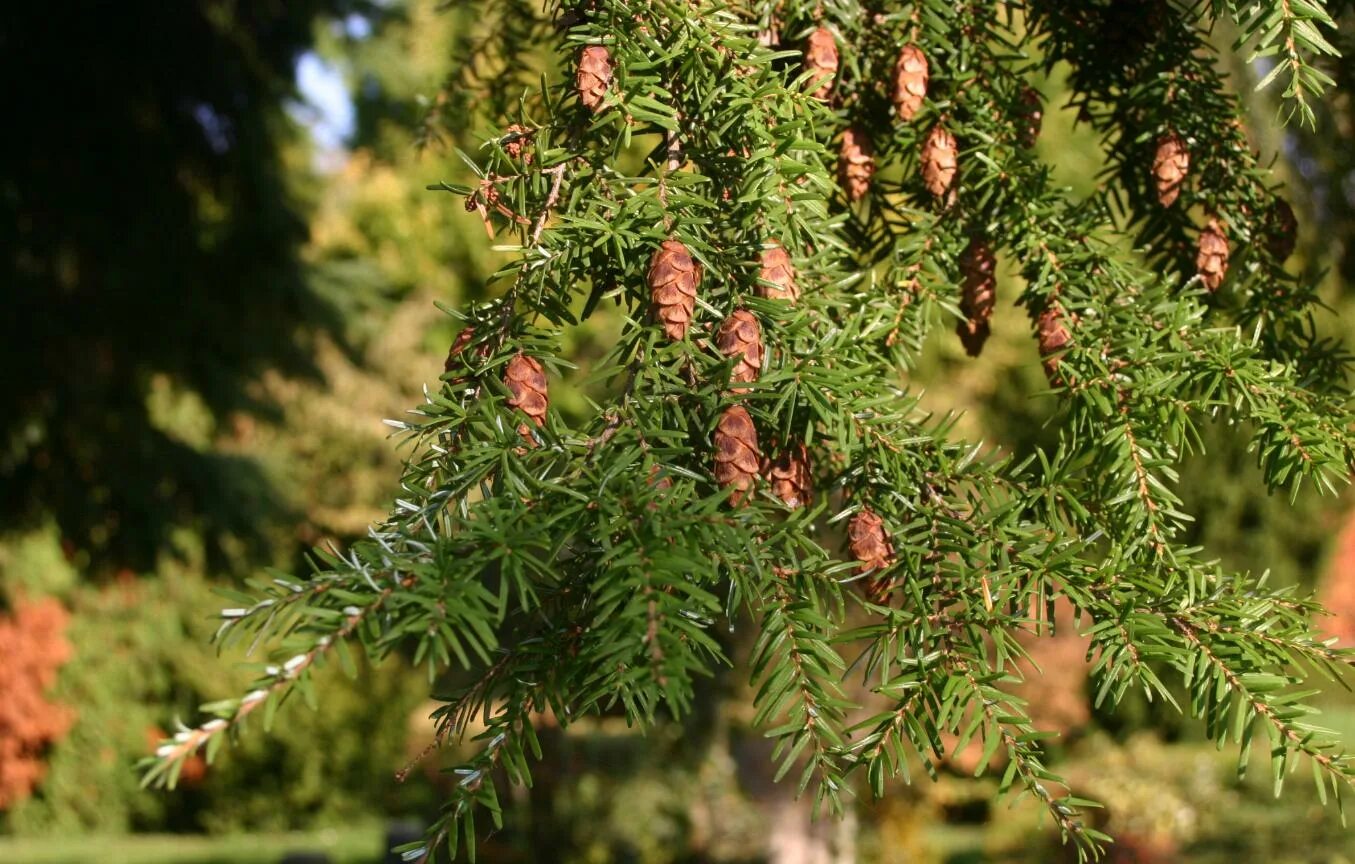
1282	230
776	280
736	453
526	382
1054	337
594	76
517	141
1171	164
821	61
1032	118
1211	259
979	290
789	476
455	362
856	165
673	279
740	336
458	345
869	544
660	479
910	82
940	159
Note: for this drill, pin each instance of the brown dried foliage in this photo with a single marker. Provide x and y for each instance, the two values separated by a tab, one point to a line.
674	277
33	646
736	453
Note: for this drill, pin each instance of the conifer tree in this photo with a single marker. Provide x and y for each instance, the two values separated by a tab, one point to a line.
782	201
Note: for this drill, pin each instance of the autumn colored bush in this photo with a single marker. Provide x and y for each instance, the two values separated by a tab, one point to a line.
34	647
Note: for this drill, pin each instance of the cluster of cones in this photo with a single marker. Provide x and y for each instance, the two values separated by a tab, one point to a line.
1171	170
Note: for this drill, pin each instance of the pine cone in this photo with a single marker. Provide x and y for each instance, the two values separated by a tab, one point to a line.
1171	163
517	140
1283	230
1032	118
979	291
660	479
736	453
1211	260
790	477
856	165
526	381
674	277
940	159
1054	337
740	336
594	76
458	345
821	61
910	82
777	279
870	546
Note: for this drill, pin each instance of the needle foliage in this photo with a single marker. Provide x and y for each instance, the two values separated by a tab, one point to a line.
588	564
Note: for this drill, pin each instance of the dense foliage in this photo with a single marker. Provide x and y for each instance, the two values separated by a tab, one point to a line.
783	203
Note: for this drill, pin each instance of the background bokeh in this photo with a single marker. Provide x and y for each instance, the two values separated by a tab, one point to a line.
221	264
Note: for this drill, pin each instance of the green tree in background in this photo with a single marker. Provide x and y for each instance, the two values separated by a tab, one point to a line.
151	229
202	342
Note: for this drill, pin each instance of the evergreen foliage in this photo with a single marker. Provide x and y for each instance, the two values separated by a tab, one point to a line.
586	564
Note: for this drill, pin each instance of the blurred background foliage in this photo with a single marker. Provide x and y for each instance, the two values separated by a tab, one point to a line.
222	269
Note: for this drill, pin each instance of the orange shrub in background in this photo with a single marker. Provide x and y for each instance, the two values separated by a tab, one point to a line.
33	648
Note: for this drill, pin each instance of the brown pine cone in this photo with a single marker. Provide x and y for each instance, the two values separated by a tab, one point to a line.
674	277
1211	259
940	159
979	291
1283	230
1032	118
790	477
1054	337
821	61
660	479
740	336
458	345
776	281
594	76
870	545
1171	163
910	82
517	140
856	165
526	382
736	453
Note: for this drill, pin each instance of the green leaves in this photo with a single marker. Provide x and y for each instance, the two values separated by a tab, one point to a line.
1284	35
594	564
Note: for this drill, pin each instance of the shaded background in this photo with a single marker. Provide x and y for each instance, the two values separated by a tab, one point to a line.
219	269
